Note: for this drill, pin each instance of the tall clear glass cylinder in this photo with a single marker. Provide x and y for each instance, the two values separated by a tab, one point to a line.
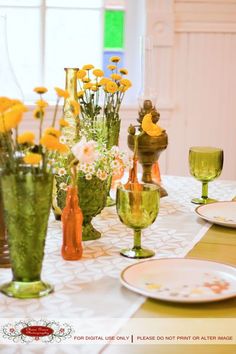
147	89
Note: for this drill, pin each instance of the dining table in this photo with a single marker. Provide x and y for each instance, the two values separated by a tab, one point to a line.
88	293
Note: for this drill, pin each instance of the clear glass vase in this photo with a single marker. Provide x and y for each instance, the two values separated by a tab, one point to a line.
27	202
72	131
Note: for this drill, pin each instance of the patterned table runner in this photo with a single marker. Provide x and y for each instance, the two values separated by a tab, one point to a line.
90	288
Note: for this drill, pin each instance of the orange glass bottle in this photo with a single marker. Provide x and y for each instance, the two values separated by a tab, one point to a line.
72	220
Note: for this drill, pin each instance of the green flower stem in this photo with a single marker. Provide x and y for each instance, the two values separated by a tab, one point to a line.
137	239
55	112
41	120
204	190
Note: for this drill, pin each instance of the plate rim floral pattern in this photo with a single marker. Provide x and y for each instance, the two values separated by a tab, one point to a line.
215	220
156	296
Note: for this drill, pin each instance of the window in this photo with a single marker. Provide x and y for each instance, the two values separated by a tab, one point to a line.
44	36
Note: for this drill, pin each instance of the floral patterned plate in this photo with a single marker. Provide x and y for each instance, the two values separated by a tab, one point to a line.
181	280
221	213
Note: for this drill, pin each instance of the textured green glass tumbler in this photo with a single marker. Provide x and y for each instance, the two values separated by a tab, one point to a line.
138	209
27	201
205	164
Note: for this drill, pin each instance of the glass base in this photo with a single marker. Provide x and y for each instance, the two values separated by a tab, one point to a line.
203	200
110	201
26	290
89	233
137	253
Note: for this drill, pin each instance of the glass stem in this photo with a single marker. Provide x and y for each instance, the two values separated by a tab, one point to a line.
204	190
137	239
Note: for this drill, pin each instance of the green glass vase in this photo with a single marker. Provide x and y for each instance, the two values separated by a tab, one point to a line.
27	201
92	199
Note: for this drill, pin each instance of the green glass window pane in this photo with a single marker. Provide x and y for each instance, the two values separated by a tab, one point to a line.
114	29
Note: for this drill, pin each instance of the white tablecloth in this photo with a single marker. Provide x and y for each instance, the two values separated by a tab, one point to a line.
90	287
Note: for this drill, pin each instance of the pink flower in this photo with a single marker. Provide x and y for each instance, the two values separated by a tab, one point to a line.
85	151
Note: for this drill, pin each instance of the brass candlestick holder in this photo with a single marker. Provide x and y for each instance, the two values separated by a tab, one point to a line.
149	147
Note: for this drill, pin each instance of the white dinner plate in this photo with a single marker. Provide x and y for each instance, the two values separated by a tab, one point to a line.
181	280
221	213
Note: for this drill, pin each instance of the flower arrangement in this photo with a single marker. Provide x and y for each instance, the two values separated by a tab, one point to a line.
23	149
88	159
101	96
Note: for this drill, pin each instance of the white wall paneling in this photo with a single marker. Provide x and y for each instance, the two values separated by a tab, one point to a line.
196	76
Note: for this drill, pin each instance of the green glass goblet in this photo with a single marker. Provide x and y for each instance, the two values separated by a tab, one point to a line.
138	209
205	165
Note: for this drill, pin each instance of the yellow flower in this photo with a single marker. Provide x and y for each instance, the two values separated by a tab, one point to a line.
88	67
5	103
61	93
11	117
104	81
81	74
80	94
33	159
98	72
41	103
115	77
115	59
62	148
86	79
111	87
15	101
75	106
52	131
123	88
126	82
87	86
123	71
63	123
38	113
40	89
94	88
111	67
26	138
50	142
